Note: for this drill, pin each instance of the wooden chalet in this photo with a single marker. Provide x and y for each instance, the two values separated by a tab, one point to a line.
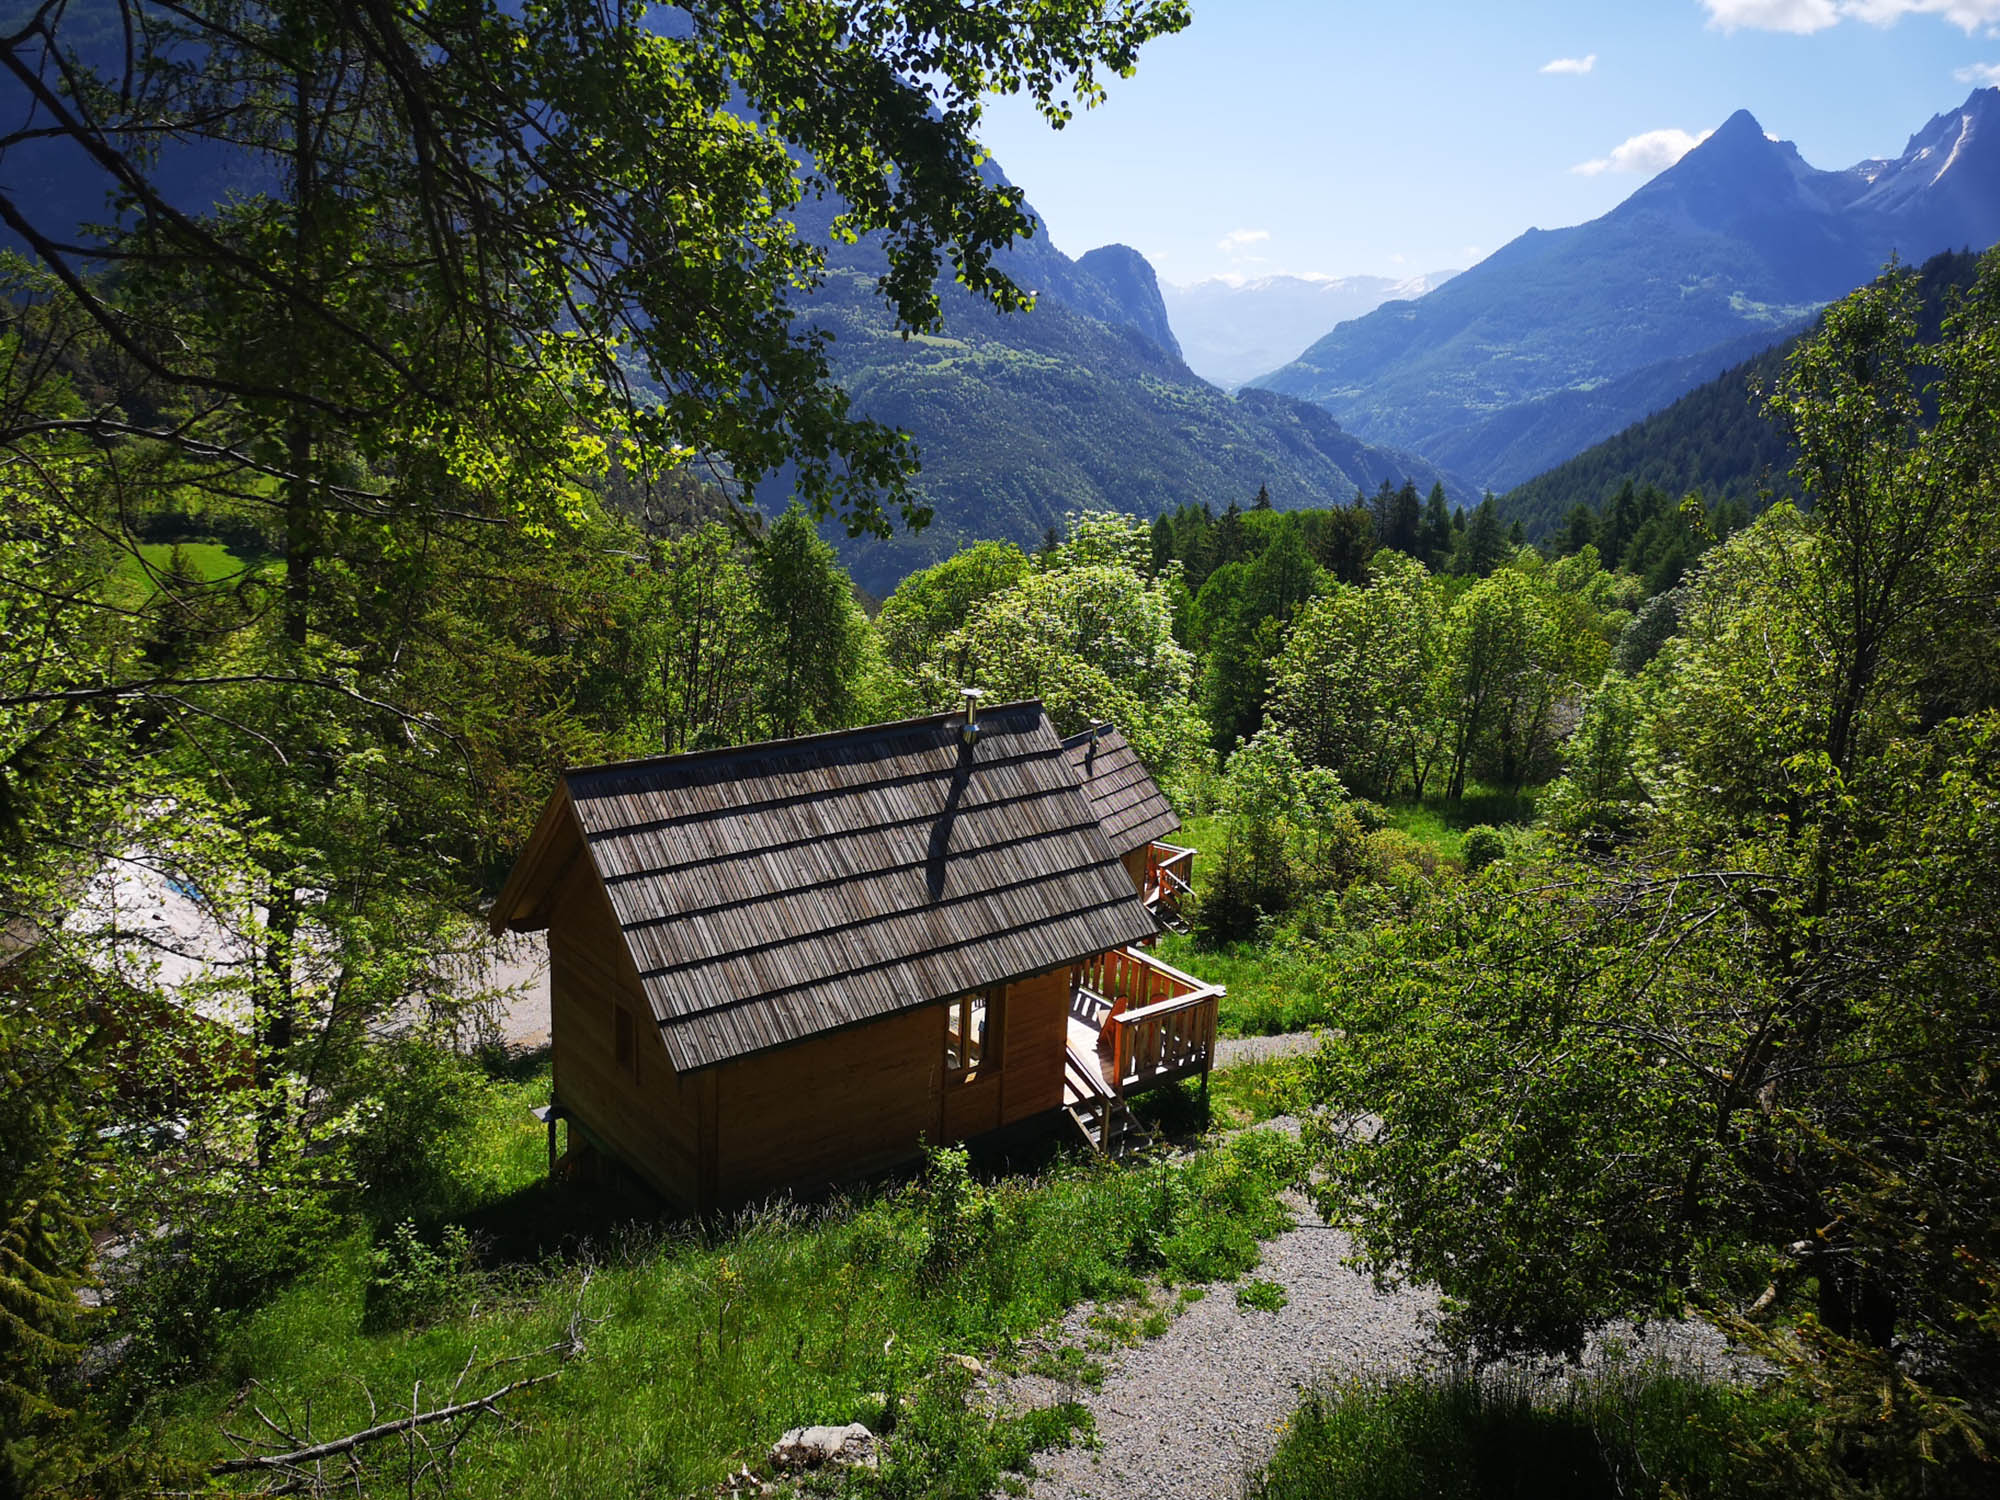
776	966
1136	818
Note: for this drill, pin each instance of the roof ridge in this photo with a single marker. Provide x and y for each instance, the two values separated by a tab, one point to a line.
858	733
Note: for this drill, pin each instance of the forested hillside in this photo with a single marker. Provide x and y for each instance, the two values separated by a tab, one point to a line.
1715	442
1021	418
1082	403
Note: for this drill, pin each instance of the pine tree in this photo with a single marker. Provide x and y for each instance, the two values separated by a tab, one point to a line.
1231	544
1578	532
1620	523
1403	529
1484	545
1436	546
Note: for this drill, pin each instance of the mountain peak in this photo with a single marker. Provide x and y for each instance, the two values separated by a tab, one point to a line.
1737	175
1740	126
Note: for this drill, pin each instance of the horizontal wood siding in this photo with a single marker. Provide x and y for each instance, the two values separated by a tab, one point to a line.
652	1124
1037	1028
857	1101
834	1107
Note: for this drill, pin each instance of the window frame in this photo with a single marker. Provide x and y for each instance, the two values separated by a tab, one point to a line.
988	1005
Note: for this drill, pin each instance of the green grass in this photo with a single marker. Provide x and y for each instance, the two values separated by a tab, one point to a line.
1629	1433
1262	985
701	1347
138	571
1240	1096
1440	825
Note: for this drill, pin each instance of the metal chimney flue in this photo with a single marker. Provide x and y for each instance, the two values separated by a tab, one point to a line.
971	695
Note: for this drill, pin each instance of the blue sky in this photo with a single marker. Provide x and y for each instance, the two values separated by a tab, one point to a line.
1388	139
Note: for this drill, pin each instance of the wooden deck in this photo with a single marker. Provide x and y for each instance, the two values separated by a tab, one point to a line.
1135	1022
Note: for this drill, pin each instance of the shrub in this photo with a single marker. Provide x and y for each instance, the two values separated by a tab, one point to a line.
1372	816
1264	1296
1398	857
1247	887
413	1283
180	1293
416	1103
1482	846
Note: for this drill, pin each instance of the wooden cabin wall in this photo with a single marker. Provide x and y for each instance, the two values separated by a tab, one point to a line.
856	1101
1135	866
653	1123
832	1106
1037	1030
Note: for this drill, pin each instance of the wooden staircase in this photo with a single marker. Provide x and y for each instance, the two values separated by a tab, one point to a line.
1102	1118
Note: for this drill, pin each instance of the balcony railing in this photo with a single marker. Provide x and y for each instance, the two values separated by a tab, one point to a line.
1159	1023
1169	880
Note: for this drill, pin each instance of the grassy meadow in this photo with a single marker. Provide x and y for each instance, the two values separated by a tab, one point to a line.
695	1348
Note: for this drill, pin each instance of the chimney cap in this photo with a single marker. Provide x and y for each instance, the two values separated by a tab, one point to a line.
971	695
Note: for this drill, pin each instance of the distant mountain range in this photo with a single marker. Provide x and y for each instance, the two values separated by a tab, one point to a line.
1714	440
1232	331
1083	403
1563	337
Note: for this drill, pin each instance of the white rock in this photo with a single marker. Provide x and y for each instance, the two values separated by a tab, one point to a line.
810	1447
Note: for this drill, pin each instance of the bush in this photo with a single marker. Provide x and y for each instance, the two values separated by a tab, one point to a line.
1243	891
180	1293
413	1283
1398	857
1372	816
1482	846
417	1102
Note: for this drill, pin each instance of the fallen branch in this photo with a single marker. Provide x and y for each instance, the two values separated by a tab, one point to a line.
372	1434
295	1462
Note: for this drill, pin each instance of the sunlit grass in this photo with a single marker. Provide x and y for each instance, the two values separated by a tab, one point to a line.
702	1346
1630	1431
1440	824
139	571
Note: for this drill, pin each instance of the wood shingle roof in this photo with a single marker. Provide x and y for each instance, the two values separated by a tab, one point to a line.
1129	805
777	891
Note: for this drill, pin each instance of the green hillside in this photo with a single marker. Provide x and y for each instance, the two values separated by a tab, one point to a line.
1023	418
1714	440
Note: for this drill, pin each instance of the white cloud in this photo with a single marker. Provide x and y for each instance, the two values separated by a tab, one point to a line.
1573	65
1654	151
1238	240
1803	17
1983	74
1967	15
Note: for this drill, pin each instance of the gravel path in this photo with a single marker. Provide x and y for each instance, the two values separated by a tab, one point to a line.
1192	1412
1196	1412
1236	1049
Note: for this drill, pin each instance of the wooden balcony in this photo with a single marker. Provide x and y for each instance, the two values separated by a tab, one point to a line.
1169	881
1138	1022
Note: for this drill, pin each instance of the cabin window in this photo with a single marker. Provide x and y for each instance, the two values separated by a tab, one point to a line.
626	1044
972	1034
